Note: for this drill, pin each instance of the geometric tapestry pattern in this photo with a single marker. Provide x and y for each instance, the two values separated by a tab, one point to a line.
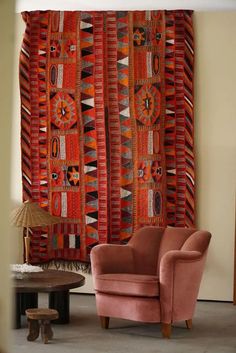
106	125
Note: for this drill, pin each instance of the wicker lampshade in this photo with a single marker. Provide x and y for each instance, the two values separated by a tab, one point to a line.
30	214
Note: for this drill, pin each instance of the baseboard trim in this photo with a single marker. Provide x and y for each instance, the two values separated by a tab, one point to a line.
199	300
215	301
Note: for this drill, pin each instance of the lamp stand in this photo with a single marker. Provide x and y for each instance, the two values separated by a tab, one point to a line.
27	245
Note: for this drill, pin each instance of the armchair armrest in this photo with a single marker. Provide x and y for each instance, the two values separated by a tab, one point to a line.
172	256
112	258
180	277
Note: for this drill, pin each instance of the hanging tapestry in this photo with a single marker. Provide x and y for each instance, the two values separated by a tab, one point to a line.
107	125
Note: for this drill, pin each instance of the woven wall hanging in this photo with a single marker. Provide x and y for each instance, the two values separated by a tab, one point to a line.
107	125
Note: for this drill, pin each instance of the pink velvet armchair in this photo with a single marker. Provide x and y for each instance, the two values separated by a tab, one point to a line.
153	278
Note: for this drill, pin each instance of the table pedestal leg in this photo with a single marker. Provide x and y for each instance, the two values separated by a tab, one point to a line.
24	301
17	321
28	301
61	302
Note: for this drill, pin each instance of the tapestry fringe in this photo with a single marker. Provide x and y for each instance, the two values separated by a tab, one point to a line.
67	265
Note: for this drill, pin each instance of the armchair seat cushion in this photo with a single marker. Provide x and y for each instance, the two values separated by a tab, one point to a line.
128	284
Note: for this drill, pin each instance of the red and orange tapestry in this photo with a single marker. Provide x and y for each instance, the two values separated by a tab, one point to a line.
107	125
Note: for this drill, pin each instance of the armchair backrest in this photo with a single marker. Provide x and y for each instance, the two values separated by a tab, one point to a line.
146	243
151	243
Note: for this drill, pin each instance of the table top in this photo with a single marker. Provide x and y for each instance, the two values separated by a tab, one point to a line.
48	281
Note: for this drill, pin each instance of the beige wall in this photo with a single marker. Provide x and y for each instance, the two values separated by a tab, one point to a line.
6	40
215	136
16	184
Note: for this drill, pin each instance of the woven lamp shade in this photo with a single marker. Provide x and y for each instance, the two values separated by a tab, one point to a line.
30	214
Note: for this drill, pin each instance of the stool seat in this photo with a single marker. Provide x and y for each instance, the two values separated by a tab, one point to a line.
45	316
42	314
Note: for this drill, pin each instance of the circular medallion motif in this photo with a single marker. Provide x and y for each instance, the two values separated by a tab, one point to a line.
147	104
63	111
143	172
57	176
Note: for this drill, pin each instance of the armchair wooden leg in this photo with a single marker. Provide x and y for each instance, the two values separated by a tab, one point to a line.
104	321
189	324
166	330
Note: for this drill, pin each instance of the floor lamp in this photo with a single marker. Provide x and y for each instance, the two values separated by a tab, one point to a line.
28	215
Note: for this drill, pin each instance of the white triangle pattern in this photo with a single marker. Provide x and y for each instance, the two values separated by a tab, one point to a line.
89	101
88	168
124	61
125	112
124	193
90	220
84	25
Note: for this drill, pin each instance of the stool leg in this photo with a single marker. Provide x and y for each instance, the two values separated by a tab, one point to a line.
46	330
33	330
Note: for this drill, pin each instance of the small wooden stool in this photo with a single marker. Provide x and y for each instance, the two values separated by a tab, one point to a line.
45	315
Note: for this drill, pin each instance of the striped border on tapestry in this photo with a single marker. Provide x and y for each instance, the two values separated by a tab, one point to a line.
25	88
170	118
126	179
99	86
34	121
114	127
189	119
88	124
184	122
179	119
